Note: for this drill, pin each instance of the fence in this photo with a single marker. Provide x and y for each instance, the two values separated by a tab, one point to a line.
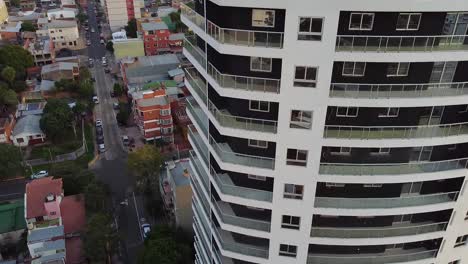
59	158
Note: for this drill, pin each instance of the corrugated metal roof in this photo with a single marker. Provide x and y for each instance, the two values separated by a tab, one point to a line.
45	233
28	125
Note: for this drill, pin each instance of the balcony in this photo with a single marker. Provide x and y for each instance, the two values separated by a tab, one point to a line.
225	119
199	169
226	154
249	38
192	76
228	216
372	91
199	144
227	187
198	114
201	252
201	197
239	244
401	43
190	44
380	232
244	83
201	219
392	202
382	258
388	132
188	11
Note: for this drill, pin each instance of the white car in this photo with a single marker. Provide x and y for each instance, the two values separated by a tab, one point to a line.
93	30
40	174
98	122
146	229
95	99
102	148
104	61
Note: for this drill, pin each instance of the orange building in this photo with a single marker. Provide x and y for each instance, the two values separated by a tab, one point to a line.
152	114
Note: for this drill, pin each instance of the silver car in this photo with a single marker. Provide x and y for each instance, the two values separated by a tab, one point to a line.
40	174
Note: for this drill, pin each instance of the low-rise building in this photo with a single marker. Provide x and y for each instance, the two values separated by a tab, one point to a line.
69	3
158	39
120	12
42	49
6	127
62	13
60	70
10	31
64	33
27	131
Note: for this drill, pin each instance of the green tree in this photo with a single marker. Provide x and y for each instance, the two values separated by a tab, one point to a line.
118	89
131	28
79	109
86	89
28	26
9	74
96	195
81	17
110	46
66	85
85	74
123	114
146	163
8	97
100	238
57	119
16	57
179	25
15	3
19	86
10	161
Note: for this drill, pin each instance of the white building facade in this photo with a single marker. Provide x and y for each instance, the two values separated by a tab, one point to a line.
329	131
121	11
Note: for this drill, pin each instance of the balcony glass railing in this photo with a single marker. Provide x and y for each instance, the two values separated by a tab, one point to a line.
198	84
401	43
202	197
199	144
250	38
392	168
385	132
227	155
198	114
201	219
225	119
392	202
245	83
229	244
200	171
390	231
231	219
226	186
371	258
371	91
188	11
203	235
190	44
200	257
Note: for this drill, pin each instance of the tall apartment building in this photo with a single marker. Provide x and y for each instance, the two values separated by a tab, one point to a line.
329	131
121	11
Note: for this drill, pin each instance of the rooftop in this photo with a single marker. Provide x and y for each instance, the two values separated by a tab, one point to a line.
177	172
29	124
62	24
151	68
51	245
160	100
36	192
42	234
72	209
59	66
154	26
175	72
177	36
12	216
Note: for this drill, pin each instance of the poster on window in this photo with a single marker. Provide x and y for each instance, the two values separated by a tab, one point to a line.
263	18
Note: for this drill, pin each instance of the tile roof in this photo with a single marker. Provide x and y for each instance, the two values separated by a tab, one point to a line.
36	192
29	124
72	209
58	66
43	234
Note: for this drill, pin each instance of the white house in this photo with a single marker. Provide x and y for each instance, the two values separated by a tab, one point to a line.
62	13
27	131
64	33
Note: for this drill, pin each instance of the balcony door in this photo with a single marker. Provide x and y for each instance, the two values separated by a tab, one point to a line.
411	188
455	25
421	154
432	116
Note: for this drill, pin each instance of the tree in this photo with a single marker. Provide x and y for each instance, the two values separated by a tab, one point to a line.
10	161
118	89
146	163
8	97
110	46
81	17
131	28
57	119
28	26
79	108
9	74
85	74
100	238
16	57
66	85
19	86
175	18
123	114
86	89
96	195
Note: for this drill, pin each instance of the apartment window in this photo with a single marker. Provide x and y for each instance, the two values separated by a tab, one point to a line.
380	151
390	112
300	119
398	69
166	121
291	222
288	250
464	109
165	112
166	130
452	147
296	157
305	76
259	106
347	111
263	18
408	21
354	69
261	64
361	21
293	191
340	150
51	32
310	28
258	143
461	240
256	177
53	213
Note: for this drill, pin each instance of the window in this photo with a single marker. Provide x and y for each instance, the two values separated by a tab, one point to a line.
296	157
258	143
452	147
340	150
259	106
166	121
351	68
300	119
53	213
461	240
256	177
361	21
20	140
310	28
380	151
165	112
408	21
291	222
305	76
398	69
390	112
260	64
347	111
373	185
292	191
263	18
334	185
288	250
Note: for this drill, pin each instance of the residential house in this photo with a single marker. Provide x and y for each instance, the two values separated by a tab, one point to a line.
177	75
60	70
12	224
42	49
29	16
176	192
69	3
152	114
176	42
27	131
120	12
47	245
6	126
27	5
10	32
34	108
64	33
63	13
158	39
142	70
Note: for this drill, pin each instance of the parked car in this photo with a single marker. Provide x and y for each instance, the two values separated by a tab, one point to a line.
125	140
99	130
107	70
115	105
146	230
98	122
95	99
100	139
102	148
93	30
104	61
88	42
40	174
112	94
102	42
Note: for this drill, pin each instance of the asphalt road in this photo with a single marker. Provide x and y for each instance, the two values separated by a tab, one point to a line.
12	190
111	168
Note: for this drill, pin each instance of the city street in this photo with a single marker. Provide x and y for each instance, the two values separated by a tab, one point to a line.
111	167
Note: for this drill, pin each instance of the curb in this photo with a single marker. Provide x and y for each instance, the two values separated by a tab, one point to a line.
91	163
14	179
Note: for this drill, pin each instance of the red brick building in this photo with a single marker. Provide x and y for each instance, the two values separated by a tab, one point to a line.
158	39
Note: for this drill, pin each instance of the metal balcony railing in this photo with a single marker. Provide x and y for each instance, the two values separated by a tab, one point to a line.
188	11
193	77
370	258
200	171
229	244
199	144
198	114
401	43
190	44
